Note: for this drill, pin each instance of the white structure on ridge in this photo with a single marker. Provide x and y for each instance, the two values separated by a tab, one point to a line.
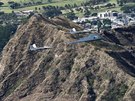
108	15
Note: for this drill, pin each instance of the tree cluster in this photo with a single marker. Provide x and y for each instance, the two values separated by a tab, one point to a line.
128	8
93	2
71	15
51	11
8	26
15	5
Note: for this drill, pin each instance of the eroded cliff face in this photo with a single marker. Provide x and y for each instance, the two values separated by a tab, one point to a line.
82	72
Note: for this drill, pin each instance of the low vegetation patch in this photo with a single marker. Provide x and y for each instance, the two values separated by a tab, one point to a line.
100	44
116	93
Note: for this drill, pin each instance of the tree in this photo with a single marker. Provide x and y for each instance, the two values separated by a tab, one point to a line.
11	2
121	3
107	23
52	12
75	5
114	5
15	5
71	15
1	3
87	12
6	32
68	6
109	5
99	24
1	12
128	8
94	14
36	8
118	2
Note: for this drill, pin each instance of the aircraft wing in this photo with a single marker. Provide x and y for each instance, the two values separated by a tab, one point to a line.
92	37
47	47
80	40
75	42
34	47
79	32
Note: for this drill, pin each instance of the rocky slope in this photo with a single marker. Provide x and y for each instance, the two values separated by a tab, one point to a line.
84	72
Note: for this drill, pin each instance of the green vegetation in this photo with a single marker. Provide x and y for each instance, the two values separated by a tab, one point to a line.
90	6
11	89
116	93
100	44
71	15
31	4
51	8
128	8
8	26
52	12
5	33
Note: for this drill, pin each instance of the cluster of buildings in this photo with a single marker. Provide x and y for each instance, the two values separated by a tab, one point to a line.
23	13
117	19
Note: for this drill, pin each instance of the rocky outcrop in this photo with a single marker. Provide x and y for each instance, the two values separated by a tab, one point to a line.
82	72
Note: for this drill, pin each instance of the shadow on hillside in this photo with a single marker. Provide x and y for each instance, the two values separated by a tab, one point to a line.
125	61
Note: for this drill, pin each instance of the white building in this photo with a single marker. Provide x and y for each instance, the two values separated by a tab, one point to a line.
27	11
102	15
118	19
19	13
108	14
80	20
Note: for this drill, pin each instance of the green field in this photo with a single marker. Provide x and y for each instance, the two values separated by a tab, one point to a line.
113	1
7	9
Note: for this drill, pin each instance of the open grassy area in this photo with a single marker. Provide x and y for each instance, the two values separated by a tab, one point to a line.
117	8
113	1
5	1
7	9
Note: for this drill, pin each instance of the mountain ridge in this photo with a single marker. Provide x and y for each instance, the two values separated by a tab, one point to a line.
81	72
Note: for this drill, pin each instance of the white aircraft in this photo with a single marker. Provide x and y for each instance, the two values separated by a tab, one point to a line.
73	31
34	47
91	37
